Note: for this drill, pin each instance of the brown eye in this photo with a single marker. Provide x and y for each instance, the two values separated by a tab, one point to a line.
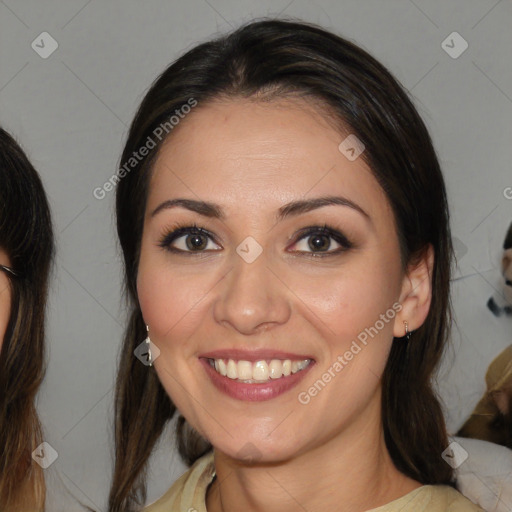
186	239
196	242
318	241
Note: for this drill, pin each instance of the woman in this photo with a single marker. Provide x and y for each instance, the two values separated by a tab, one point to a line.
26	251
296	375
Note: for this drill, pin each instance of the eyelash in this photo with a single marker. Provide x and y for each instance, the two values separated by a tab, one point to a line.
178	230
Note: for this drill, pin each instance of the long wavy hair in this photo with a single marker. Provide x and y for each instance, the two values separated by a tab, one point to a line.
264	60
26	236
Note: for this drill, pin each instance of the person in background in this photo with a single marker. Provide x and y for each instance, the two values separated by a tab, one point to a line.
26	255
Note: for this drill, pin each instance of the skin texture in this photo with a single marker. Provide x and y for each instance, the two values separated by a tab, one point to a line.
251	159
5	297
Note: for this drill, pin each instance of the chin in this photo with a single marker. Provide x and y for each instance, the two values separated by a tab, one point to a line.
256	450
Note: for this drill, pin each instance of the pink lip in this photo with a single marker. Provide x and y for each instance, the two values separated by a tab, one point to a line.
253	355
253	392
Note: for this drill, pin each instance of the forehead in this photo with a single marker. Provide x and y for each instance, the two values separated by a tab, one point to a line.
256	155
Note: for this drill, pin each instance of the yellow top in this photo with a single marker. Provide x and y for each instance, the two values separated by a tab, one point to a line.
188	494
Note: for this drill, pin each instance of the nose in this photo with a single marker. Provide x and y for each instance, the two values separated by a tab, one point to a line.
253	297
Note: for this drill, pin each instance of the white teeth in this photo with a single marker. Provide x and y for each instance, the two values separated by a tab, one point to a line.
223	369
232	372
275	369
260	371
244	370
303	364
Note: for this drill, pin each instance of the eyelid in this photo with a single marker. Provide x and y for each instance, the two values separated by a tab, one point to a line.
176	231
327	231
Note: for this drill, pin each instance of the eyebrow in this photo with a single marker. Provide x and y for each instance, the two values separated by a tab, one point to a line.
212	210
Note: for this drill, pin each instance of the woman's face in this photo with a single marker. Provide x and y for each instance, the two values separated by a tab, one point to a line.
256	287
5	297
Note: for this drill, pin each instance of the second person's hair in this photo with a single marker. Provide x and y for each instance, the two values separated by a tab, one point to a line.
26	235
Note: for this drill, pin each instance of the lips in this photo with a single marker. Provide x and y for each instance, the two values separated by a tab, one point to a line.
255	375
254	355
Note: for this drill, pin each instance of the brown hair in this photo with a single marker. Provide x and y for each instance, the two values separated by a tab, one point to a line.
26	236
269	59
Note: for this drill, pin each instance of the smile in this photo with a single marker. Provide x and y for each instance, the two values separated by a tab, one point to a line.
258	380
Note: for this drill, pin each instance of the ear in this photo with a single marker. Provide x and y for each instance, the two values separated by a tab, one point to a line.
416	294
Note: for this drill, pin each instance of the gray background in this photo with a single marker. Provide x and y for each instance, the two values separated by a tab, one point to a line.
71	112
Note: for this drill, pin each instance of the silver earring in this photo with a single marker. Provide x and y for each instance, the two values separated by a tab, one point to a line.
148	343
407	332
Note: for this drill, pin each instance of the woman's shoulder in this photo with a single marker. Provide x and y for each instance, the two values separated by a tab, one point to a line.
434	498
189	491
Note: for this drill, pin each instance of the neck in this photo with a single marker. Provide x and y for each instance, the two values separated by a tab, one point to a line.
352	469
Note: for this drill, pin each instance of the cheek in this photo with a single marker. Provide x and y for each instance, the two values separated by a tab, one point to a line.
162	302
171	301
351	298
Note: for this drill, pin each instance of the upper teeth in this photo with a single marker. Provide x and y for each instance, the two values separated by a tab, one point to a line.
259	371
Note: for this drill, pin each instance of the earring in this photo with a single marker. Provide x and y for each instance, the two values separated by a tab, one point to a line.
407	332
148	343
